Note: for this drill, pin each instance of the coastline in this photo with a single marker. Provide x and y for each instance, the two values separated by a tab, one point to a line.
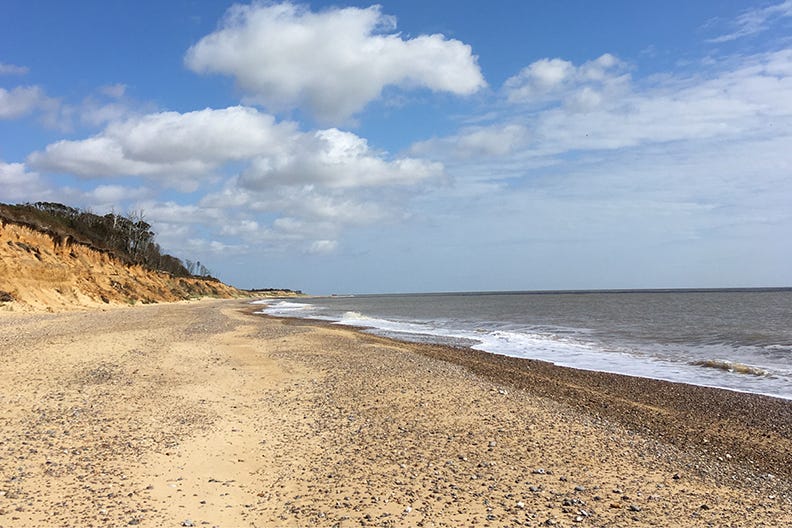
202	412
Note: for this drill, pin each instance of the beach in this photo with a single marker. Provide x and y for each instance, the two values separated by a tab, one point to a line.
203	414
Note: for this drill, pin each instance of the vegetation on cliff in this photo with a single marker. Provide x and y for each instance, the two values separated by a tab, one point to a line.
128	238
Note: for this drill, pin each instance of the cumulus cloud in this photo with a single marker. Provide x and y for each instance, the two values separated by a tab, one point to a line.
331	63
554	79
167	143
23	100
278	185
335	158
17	183
196	143
755	21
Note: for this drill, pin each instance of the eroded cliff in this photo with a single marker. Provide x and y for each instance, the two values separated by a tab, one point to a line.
44	271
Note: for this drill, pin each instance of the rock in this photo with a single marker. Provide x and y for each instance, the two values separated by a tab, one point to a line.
534	489
187	522
538	471
580	488
676	476
634	508
492	443
521	505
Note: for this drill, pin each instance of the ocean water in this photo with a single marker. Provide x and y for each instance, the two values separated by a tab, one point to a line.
733	339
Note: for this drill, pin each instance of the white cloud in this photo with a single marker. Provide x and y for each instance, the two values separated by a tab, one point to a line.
196	143
21	101
754	21
333	62
335	158
479	141
557	79
167	143
17	184
109	104
109	195
739	98
278	186
13	69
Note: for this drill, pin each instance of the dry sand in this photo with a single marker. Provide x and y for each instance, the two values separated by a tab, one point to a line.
202	414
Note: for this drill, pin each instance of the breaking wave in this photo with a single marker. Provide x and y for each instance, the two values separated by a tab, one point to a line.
730	366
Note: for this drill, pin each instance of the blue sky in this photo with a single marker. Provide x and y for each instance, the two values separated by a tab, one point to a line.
416	146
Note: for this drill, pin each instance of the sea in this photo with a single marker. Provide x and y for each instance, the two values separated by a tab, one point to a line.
733	339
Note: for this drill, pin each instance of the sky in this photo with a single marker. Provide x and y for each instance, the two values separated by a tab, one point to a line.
416	146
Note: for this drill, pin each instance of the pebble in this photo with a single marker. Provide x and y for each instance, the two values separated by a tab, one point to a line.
635	508
580	488
535	489
187	522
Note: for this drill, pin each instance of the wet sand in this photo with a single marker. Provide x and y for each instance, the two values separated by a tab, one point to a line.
203	414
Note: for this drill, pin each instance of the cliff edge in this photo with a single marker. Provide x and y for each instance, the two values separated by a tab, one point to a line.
41	270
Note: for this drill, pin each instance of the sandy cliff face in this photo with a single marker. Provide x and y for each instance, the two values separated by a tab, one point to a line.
39	272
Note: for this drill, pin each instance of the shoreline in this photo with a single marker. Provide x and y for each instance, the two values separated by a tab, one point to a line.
199	413
686	414
630	341
367	330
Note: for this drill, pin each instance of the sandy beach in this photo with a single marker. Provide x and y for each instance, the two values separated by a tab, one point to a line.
203	414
